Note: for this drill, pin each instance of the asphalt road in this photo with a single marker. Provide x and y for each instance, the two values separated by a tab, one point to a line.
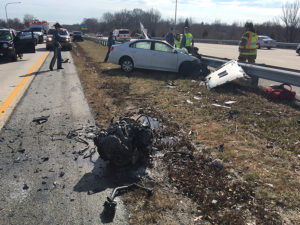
43	179
285	58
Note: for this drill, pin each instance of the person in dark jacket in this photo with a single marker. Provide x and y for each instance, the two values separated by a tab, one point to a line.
170	37
110	43
56	48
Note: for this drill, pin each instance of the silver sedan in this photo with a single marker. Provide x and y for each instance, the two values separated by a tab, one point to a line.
151	54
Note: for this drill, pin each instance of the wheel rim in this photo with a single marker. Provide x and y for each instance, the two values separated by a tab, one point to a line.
127	66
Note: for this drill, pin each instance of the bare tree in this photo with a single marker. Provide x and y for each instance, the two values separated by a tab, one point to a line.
291	19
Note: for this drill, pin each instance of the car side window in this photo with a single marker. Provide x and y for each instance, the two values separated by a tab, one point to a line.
142	45
162	47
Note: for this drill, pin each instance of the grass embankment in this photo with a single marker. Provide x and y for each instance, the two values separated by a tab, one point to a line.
261	138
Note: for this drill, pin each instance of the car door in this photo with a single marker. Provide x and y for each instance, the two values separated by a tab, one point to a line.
163	57
25	42
140	52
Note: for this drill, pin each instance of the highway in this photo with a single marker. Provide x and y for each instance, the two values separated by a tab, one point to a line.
44	179
285	58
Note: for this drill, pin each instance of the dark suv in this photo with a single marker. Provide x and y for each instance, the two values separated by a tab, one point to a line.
13	43
298	49
77	36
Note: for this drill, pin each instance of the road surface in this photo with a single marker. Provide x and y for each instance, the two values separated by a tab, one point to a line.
43	178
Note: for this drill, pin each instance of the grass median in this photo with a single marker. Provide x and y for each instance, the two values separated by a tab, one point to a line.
261	138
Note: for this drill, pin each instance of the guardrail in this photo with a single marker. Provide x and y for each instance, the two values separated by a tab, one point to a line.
277	74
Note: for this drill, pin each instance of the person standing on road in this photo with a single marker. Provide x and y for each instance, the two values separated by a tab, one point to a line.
110	43
170	37
187	40
248	48
56	48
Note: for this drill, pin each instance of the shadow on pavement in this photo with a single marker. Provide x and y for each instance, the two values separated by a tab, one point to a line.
104	176
36	73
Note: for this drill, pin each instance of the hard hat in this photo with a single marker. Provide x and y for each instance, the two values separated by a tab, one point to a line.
249	25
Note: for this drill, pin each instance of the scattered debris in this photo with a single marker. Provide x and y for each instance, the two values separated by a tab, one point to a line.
45	158
125	142
197	98
221	148
61	174
110	205
25	187
226	73
229	102
218	163
218	105
21	150
232	113
40	120
190	102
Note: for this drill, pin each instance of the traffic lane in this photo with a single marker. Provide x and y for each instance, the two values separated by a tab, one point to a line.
51	199
286	58
15	80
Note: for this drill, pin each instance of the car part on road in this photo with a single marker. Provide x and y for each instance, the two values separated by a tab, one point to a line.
40	120
125	142
110	205
226	73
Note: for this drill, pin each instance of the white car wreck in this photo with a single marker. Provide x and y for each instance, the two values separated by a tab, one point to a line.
153	55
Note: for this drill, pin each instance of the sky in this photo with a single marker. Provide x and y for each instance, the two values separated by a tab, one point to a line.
73	11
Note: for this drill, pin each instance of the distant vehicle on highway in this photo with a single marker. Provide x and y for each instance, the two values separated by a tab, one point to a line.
12	44
150	54
65	39
266	42
121	35
99	34
77	36
298	49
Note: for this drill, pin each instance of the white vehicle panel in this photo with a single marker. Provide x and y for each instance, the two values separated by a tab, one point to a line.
226	73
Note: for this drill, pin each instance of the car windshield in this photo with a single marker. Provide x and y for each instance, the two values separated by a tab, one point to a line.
5	36
78	33
51	31
123	32
63	32
265	37
36	29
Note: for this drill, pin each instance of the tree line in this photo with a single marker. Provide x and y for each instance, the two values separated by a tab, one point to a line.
285	27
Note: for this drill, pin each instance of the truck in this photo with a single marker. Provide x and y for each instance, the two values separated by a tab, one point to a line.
39	28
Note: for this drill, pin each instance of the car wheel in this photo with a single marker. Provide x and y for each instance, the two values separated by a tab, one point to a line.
258	46
14	58
127	65
269	47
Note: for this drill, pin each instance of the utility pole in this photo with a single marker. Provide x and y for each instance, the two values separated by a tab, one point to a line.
9	3
175	12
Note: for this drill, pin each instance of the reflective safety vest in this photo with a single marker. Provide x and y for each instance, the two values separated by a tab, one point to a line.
188	39
250	48
177	43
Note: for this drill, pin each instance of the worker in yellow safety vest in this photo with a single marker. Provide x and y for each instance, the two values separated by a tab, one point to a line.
187	40
177	40
248	46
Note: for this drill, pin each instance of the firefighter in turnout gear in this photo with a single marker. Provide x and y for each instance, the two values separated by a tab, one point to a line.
56	48
248	47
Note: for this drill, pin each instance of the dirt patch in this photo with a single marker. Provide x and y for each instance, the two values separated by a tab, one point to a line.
245	189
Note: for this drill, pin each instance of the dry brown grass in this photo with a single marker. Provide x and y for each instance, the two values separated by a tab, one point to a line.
262	142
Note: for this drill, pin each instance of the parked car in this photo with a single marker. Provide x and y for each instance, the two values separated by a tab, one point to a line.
298	49
99	34
65	39
77	36
266	42
151	54
12	44
121	35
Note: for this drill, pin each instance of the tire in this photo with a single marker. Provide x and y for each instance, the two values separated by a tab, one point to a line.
269	48
14	58
127	65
